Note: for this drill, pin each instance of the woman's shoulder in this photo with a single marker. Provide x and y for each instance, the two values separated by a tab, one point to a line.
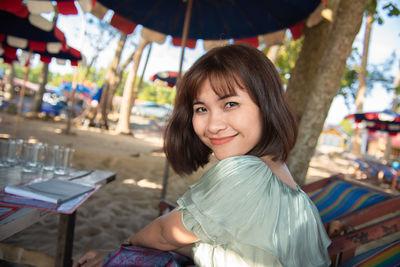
241	163
237	168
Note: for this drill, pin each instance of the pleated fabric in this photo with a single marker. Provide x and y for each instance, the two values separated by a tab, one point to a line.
244	215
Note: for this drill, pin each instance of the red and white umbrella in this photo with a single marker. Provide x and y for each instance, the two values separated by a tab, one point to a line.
386	121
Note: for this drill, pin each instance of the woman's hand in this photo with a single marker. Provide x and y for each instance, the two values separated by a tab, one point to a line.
92	258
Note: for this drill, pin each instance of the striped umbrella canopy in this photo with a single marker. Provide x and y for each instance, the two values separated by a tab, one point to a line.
241	20
20	32
169	77
17	32
23	8
386	121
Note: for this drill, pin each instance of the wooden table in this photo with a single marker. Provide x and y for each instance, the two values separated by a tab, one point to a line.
25	217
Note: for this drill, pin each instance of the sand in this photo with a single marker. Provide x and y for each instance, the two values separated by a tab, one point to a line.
118	209
124	206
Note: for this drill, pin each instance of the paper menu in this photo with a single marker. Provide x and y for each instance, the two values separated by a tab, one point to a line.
53	191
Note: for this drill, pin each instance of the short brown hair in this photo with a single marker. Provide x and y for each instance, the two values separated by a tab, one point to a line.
227	68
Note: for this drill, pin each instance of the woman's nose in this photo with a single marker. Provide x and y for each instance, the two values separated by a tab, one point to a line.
216	122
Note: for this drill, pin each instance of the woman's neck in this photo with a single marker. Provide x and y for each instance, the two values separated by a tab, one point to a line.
281	171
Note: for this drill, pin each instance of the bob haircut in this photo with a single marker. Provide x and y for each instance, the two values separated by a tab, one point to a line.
228	69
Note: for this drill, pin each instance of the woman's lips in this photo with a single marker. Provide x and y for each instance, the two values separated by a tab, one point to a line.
221	141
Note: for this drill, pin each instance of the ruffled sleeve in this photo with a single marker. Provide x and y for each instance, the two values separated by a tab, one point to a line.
240	199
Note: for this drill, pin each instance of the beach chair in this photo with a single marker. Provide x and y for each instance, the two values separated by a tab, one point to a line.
358	169
386	255
346	206
343	248
363	169
386	172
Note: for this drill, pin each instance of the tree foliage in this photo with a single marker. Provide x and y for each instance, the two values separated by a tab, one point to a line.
347	126
288	54
391	8
349	82
158	93
34	72
377	74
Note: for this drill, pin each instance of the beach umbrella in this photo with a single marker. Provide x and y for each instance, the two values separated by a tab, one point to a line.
213	21
80	88
210	20
19	30
170	77
386	121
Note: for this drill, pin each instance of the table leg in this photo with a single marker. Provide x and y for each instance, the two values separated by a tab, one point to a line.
65	240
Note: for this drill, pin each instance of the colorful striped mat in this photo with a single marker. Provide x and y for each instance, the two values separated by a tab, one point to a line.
340	198
384	256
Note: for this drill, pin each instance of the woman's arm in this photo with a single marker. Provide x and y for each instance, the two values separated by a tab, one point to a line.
164	233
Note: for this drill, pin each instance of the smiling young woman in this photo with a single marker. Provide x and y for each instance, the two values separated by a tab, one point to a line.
246	210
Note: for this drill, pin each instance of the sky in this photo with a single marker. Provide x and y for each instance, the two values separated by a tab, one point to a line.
385	39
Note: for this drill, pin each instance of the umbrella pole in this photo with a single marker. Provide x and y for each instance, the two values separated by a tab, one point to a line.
71	108
22	95
165	180
145	67
185	33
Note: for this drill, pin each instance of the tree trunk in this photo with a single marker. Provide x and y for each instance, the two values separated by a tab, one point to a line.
110	81
362	77
325	84
9	85
130	92
116	80
88	67
388	149
299	85
9	94
38	100
273	52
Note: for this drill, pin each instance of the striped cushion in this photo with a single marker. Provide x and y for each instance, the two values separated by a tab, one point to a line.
339	198
384	256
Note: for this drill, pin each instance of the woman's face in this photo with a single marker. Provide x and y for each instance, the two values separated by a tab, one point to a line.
229	125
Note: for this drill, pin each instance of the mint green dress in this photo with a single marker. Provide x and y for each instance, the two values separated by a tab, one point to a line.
246	216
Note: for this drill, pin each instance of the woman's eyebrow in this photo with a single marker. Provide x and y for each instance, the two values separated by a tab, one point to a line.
198	103
226	96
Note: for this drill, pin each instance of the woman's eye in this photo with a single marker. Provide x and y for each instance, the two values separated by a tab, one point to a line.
231	104
200	110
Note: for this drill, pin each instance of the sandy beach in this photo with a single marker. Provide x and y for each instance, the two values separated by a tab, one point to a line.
126	205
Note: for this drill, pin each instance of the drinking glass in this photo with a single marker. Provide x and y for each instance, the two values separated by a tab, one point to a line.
32	157
14	151
63	156
49	157
3	153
